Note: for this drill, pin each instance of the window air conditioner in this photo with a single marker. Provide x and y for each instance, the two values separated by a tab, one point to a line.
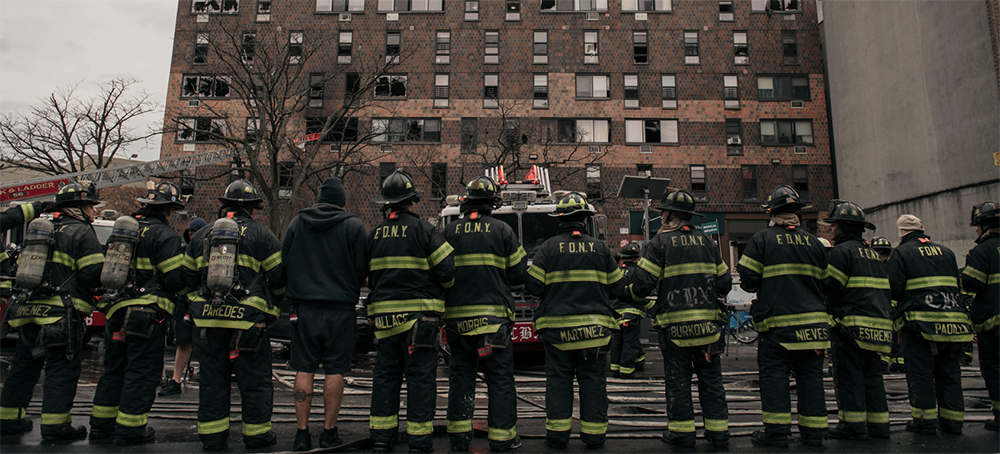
391	17
194	103
593	15
645	148
594	148
800	150
733	141
798	104
385	148
345	17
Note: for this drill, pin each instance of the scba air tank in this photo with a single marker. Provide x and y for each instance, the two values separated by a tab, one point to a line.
37	243
121	249
222	244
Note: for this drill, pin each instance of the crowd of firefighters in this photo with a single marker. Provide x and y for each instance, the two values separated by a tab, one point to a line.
229	277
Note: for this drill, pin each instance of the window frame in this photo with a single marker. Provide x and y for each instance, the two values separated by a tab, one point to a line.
630	85
540	93
789	47
441	95
800	181
212	82
593	91
741	50
692	52
793	80
201	43
491	47
731	91
224	7
666	101
750	183
349	6
392	6
345	48
640	42
642	125
512	10
192	124
540	49
399	130
591	47
491	90
316	89
778	125
695	170
560	6
296	44
392	81
442	47
393	51
471	11
656	6
557	130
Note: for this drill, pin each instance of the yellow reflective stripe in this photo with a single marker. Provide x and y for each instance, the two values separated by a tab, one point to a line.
721	269
8	413
6	284
248	261
171	264
800	269
593	428
28	210
558	425
650	267
753	265
496	434
937	317
805	318
419	428
480	260
626	370
680	426
987	325
132	420
278	291
922	413
776	418
835	273
813	422
256	429
953	415
440	254
260	304
383	422
537	272
201	262
696	341
213	427
165	303
689	268
716	425
878	417
190	263
384	333
851	416
516	257
931	281
448	284
492	310
92	259
866	321
101	411
615	276
216	323
398	262
631	310
414	305
3	256
144	263
600	277
994	279
458	427
879	283
573	321
63	258
690	315
580	345
272	261
615	367
975	274
49	419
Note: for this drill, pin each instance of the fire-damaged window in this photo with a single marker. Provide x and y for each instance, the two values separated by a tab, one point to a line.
253	130
391	86
249	47
187	181
201	49
205	87
200	129
470	134
263	10
215	6
406	129
343	129
295	40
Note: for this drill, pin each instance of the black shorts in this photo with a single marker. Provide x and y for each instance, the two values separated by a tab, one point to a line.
182	329
323	335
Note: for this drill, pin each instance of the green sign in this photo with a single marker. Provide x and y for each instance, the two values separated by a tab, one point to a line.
710	228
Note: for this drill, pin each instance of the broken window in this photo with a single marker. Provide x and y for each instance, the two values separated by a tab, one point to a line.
215	6
342	130
249	47
576	130
789	47
253	130
263	10
470	134
391	86
200	129
295	40
594	182
205	87
740	48
406	130
352	87
286	178
698	187
640	47
201	49
316	90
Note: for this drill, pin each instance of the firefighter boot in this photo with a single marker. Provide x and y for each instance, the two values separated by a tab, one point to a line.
146	436
678	439
20	426
765	438
848	431
62	432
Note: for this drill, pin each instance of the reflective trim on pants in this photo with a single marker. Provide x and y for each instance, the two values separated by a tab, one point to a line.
681	426
776	418
953	415
8	413
813	422
596	428
851	416
459	426
501	434
383	422
132	420
212	427
101	411
716	425
920	413
881	417
419	428
49	419
256	429
559	425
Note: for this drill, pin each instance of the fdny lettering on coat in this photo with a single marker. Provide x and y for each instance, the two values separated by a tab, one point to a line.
793	239
390	321
869	254
470	227
582	333
929	250
811	334
687	240
576	247
223	311
390	231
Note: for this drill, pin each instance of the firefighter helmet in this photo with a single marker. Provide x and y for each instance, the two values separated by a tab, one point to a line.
163	194
630	251
982	214
397	187
848	213
483	189
573	204
241	193
80	193
784	199
678	200
881	244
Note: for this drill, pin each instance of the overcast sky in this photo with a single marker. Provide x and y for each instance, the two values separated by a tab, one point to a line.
46	45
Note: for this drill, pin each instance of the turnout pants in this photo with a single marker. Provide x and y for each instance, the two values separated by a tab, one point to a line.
588	367
989	365
775	363
933	375
626	347
213	348
498	373
61	377
860	391
678	365
394	360
132	369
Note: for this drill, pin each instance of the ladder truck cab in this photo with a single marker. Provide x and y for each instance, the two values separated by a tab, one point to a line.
526	207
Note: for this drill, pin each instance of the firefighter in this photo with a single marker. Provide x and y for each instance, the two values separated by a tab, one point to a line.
180	328
882	246
49	319
10	218
982	277
479	313
575	277
136	324
933	326
687	269
786	265
857	289
893	362
410	267
626	345
240	281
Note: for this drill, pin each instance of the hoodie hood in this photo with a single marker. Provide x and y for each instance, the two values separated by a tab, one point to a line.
323	216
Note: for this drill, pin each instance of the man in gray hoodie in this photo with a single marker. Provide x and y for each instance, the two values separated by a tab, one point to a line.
324	248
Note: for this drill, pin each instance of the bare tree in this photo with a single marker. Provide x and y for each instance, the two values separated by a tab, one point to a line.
66	134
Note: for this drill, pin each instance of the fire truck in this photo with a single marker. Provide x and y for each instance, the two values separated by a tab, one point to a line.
527	204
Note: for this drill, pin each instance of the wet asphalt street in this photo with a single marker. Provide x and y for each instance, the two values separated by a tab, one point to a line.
637	412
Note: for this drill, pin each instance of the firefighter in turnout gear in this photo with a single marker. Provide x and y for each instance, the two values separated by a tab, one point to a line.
691	277
933	326
575	277
982	277
235	265
410	267
10	218
479	312
857	289
894	359
136	322
785	266
49	317
626	346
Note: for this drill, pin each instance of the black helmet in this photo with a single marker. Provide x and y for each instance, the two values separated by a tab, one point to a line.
982	214
848	213
483	189
163	194
573	204
678	200
630	251
881	244
397	187
242	194
784	199
80	193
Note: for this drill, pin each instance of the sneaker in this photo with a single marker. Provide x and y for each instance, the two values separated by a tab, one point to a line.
330	438
303	442
18	426
761	437
172	388
147	436
841	433
63	432
509	445
555	444
677	439
918	427
260	442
